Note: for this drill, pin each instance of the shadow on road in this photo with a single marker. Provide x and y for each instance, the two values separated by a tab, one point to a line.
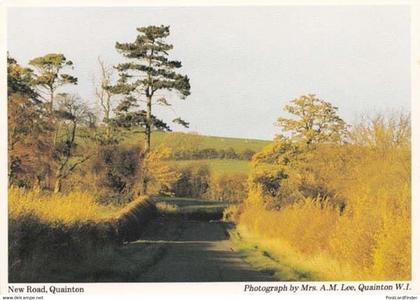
193	251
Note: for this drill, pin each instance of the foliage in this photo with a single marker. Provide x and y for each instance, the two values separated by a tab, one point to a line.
48	207
51	232
106	100
115	173
316	121
156	173
345	211
48	75
28	130
193	181
71	114
228	187
191	208
19	80
147	73
127	117
197	181
211	153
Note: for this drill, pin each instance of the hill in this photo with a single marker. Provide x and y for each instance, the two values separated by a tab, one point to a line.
180	140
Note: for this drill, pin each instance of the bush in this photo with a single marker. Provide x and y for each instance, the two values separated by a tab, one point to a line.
230	188
115	173
196	181
344	210
211	153
45	230
193	181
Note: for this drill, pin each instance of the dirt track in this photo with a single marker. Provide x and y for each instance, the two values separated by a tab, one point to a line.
192	251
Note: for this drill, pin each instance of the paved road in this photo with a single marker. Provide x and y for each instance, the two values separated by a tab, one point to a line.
193	251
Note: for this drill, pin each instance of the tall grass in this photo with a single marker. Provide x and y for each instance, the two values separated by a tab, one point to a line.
67	230
49	207
370	239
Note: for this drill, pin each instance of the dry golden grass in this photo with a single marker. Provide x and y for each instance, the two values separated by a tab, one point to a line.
65	208
371	238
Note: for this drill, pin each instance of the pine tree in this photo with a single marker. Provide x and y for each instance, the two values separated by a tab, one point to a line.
148	76
49	76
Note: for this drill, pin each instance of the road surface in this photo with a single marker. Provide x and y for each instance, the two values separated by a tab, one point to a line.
185	250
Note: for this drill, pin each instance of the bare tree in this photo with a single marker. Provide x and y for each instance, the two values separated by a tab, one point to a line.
72	114
104	95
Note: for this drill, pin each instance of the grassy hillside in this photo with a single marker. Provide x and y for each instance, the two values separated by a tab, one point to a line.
177	139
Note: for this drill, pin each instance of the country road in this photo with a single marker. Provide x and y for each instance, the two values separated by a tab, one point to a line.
185	250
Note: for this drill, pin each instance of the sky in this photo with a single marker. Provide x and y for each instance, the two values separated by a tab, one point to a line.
244	63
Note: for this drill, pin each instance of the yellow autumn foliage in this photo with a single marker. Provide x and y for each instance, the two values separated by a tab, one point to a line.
366	238
64	208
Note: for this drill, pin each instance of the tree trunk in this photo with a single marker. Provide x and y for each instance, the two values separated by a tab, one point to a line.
61	173
107	115
57	185
148	124
37	184
145	184
51	100
147	141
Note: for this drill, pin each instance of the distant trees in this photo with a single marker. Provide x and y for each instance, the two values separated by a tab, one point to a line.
146	76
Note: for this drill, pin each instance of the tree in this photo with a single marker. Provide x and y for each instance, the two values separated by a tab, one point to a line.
49	77
28	131
19	80
127	116
105	96
149	73
71	113
315	121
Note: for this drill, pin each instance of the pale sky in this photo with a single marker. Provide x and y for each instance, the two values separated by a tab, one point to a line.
244	63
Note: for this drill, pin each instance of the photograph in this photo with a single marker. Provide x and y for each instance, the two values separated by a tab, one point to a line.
200	144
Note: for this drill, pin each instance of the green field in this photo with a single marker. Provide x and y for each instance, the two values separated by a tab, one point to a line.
178	141
199	141
182	141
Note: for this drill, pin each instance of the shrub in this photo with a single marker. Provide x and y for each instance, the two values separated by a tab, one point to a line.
193	181
115	173
211	153
345	204
49	229
230	188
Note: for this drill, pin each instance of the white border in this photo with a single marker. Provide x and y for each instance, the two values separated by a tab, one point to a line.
209	290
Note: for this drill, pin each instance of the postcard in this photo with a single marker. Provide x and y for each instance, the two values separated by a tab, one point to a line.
205	149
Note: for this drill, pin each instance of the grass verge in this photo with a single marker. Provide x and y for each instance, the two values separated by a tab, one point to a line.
264	255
